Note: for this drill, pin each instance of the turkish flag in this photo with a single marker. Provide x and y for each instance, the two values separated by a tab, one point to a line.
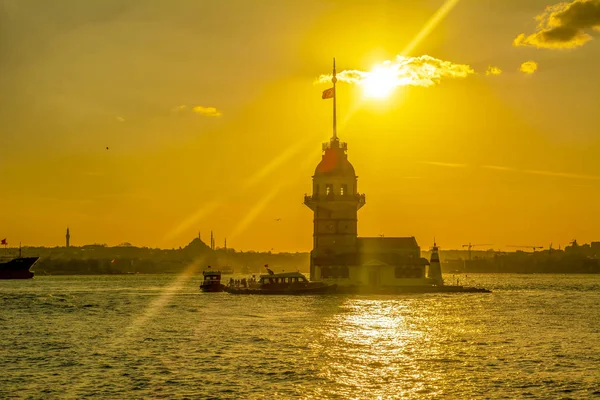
328	93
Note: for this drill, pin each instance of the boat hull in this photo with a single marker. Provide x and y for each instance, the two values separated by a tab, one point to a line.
212	288
290	290
334	289
18	268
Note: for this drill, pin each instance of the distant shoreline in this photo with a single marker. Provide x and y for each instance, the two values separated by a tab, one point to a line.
199	273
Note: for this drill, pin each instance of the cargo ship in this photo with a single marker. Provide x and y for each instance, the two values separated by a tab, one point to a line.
17	268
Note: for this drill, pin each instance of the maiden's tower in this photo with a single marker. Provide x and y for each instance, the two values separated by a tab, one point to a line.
338	254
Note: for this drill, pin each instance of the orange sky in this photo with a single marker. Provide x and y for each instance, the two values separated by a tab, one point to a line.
506	159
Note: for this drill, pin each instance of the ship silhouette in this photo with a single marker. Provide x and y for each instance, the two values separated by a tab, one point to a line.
18	267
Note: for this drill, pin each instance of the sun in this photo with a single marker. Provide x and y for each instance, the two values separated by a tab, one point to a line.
380	82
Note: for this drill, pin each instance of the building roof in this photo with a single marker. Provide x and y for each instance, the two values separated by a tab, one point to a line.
284	275
386	244
370	259
335	162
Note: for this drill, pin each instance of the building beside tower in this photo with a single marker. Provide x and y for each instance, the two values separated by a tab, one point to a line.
338	254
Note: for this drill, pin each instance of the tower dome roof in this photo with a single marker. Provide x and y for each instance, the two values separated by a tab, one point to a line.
335	163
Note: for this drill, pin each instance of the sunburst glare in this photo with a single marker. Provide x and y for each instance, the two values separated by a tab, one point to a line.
380	83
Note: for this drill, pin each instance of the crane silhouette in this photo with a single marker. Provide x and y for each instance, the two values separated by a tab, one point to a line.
469	246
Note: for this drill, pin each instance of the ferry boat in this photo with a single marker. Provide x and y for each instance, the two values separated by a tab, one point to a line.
283	283
212	281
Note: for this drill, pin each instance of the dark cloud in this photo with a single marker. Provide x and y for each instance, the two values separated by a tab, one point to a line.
564	25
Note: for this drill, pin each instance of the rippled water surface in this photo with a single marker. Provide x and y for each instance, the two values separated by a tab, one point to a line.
157	336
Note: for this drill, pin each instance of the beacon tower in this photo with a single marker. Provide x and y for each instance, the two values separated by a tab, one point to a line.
435	268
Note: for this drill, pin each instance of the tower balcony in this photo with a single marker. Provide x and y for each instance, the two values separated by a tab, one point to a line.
358	198
335	144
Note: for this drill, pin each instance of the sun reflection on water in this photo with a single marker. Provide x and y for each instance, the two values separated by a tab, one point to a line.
378	346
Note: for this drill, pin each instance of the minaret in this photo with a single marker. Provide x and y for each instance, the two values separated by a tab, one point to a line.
68	236
335	202
435	268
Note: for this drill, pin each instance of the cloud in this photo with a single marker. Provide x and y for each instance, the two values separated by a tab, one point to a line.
498	168
406	71
120	119
564	25
544	173
528	67
491	70
563	175
442	164
207	111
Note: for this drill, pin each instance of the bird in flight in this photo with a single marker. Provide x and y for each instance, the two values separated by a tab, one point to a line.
106	147
277	219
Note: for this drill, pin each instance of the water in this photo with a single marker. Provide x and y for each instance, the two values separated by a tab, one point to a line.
157	336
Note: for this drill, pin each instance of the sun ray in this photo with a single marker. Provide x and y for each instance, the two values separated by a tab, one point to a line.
431	24
132	331
202	212
254	212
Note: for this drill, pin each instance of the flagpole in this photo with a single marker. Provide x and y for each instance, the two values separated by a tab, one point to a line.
334	80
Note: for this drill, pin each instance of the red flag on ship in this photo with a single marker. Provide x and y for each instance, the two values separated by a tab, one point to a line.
4	243
328	93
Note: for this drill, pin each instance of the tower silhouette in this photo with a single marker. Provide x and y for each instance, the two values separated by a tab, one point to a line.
68	237
335	201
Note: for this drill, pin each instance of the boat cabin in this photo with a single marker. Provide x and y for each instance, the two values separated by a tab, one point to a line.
283	278
212	276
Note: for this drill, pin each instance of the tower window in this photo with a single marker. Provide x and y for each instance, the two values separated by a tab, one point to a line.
328	189
344	190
